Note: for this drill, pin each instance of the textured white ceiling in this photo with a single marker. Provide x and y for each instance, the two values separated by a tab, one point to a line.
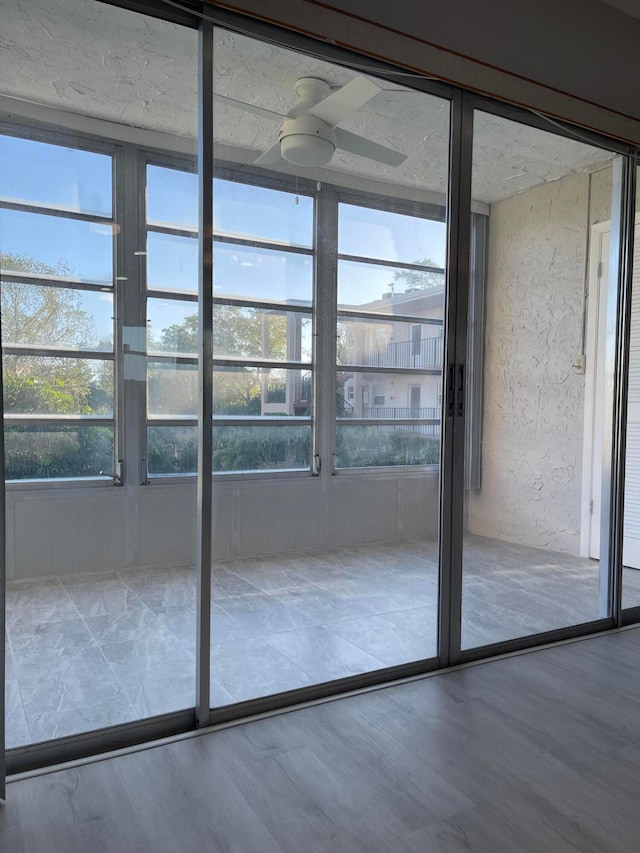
90	58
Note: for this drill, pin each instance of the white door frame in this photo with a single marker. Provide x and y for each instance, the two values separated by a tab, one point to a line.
593	425
594	392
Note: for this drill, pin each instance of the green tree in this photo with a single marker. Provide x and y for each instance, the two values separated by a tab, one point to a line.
36	315
180	337
51	316
418	279
246	333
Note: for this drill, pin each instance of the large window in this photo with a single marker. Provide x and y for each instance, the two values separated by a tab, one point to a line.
56	254
389	354
59	304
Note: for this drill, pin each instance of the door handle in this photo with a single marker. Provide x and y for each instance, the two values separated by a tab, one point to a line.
460	390
451	391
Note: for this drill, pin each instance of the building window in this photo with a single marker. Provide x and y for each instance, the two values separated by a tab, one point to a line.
416	340
56	257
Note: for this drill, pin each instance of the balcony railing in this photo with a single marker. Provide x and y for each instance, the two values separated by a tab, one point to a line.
424	353
388	413
401	413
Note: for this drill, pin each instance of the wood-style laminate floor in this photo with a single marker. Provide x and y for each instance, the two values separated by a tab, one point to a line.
538	753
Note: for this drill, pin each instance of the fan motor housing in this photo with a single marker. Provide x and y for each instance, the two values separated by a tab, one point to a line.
307	141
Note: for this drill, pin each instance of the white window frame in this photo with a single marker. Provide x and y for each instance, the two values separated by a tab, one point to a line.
80	142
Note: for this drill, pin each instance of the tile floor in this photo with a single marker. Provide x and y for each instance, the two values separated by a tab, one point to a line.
87	651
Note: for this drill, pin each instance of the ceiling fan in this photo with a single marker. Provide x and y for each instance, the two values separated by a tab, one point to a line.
309	134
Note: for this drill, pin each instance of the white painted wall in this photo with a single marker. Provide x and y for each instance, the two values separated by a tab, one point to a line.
61	531
534	402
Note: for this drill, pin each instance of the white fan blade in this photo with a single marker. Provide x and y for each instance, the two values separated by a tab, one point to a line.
270	156
248	108
337	106
355	144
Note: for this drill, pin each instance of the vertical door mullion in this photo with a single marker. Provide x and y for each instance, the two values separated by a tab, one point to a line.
618	331
452	470
3	582
131	331
129	336
325	330
205	371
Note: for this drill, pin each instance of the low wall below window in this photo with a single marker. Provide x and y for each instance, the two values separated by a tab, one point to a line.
76	530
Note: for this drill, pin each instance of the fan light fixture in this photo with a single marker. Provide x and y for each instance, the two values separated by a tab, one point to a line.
309	135
307	141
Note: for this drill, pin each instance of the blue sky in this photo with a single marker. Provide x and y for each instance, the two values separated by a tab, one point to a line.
37	172
51	174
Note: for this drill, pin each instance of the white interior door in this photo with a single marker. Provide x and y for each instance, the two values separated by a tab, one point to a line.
631	549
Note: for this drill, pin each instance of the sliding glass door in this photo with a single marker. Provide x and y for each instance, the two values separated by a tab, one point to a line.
310	376
330	223
534	382
100	585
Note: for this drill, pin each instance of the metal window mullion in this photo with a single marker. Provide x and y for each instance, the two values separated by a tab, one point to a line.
178	295
401	371
262	304
45	210
27	351
231	240
20	277
325	333
616	367
261	364
205	373
21	127
264	421
172	421
406	206
233	301
246	173
162	358
61	420
394	265
256	243
220	361
231	420
389	318
451	527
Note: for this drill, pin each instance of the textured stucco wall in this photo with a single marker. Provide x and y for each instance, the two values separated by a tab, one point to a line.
534	402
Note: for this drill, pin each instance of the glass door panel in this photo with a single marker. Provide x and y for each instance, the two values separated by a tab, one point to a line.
530	562
326	463
101	586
